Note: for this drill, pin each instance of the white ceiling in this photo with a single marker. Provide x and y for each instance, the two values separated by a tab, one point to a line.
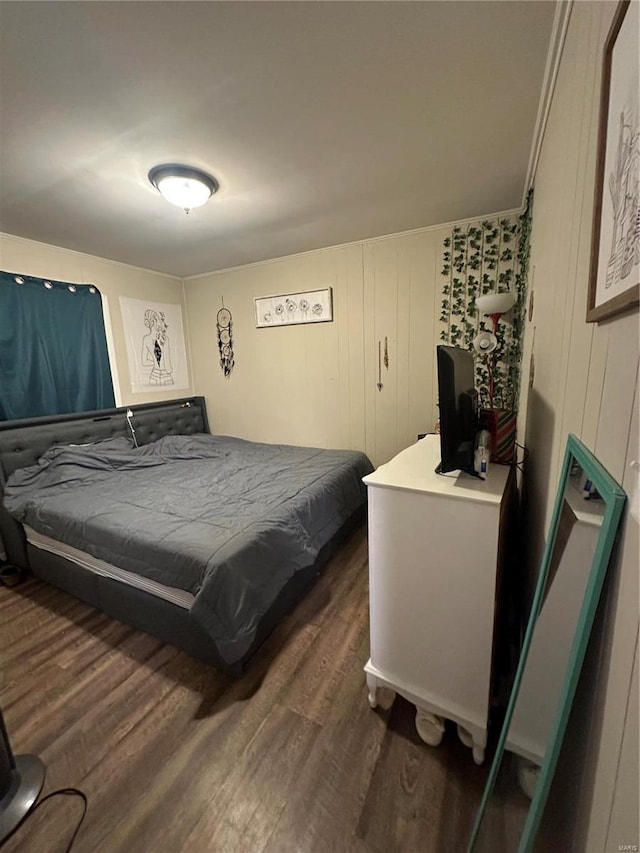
324	122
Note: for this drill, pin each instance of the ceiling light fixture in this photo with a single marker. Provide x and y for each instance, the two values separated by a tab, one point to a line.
183	186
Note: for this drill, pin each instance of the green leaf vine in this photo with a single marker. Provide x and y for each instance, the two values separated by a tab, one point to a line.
488	257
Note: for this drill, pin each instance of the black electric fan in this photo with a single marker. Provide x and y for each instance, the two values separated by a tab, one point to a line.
21	780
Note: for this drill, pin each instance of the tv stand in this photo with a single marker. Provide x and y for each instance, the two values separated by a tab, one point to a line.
437	546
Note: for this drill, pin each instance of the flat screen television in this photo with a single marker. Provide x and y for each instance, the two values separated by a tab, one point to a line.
458	403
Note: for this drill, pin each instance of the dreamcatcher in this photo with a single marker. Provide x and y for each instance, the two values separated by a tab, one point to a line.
225	340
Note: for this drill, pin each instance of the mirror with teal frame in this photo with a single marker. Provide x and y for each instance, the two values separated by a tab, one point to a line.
585	521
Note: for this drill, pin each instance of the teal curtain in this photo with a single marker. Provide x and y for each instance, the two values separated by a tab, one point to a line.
53	348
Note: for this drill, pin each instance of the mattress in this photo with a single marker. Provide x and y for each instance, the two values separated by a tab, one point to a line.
225	520
179	597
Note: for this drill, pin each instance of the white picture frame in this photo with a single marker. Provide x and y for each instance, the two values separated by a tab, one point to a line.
292	309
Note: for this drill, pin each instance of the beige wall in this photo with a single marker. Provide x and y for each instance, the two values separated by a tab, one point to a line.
316	384
113	280
586	382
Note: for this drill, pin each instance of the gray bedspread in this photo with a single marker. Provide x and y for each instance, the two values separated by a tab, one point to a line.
226	519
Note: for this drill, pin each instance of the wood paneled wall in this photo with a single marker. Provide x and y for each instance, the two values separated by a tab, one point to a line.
316	384
585	382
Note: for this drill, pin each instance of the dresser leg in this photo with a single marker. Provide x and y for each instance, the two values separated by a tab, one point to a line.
429	726
478	754
527	776
372	684
467	739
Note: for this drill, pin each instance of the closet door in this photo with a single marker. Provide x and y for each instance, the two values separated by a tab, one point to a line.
400	277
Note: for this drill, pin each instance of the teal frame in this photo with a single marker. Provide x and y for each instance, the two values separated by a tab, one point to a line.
614	498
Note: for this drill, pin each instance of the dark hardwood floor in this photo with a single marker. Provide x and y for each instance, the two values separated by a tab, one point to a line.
175	757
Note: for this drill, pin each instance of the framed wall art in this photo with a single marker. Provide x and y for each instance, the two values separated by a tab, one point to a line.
154	339
309	306
614	284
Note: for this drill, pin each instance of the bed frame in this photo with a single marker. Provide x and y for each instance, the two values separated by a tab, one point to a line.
23	442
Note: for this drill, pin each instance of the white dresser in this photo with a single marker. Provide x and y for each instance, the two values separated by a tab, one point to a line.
436	545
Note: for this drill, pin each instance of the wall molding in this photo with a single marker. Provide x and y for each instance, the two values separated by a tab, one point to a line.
559	29
17	238
516	211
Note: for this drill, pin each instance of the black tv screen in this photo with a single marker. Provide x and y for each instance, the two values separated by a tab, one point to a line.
458	403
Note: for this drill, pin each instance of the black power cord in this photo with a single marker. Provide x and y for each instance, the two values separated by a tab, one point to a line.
525	455
70	792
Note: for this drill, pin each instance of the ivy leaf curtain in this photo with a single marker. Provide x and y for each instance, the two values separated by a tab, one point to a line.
53	348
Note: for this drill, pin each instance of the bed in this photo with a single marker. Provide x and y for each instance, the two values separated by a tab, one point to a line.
203	541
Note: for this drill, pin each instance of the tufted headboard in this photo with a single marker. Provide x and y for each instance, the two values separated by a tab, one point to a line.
23	442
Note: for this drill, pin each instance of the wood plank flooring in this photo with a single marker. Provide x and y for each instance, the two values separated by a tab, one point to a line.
175	757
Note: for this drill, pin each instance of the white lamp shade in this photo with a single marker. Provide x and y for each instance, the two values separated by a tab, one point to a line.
496	303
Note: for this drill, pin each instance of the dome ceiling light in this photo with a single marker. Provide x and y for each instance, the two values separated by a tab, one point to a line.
183	186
